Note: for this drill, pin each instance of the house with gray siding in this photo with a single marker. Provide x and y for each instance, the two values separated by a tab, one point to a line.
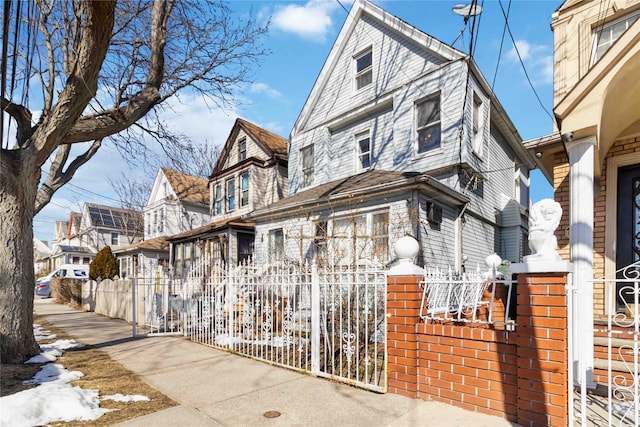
251	173
401	134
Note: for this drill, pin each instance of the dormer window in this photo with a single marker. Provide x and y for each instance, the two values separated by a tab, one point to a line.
364	69
605	36
242	149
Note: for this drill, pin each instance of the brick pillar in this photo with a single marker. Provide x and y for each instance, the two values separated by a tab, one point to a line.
542	349
404	296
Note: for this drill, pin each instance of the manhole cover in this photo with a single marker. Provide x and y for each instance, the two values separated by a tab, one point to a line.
271	414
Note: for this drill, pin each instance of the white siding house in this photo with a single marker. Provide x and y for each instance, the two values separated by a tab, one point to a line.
250	173
392	102
177	203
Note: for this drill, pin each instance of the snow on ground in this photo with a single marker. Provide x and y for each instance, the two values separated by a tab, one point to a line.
54	399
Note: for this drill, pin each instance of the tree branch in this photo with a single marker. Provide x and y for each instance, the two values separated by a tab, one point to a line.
57	177
22	116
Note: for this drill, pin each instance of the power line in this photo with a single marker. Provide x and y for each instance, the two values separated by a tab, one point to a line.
504	32
522	62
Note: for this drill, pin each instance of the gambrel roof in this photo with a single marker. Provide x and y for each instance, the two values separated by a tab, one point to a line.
274	146
188	188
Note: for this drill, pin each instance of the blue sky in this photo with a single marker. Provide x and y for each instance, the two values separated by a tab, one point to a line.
301	34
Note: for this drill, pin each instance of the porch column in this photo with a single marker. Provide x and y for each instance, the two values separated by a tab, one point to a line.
581	157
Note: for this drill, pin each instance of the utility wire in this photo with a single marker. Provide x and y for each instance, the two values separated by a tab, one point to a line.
504	33
522	62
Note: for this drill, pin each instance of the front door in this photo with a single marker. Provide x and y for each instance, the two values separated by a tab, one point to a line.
628	228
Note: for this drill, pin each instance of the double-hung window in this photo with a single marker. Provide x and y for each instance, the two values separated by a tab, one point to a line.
364	69
242	149
231	195
606	35
218	198
428	123
115	239
244	189
363	147
307	165
161	221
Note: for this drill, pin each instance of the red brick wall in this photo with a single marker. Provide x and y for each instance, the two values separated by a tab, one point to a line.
468	367
519	375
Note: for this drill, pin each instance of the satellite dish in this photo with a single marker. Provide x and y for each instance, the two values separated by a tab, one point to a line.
467	10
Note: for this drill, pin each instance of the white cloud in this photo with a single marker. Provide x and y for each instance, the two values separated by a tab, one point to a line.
311	20
537	58
264	88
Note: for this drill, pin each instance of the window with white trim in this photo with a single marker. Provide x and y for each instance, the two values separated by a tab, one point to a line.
364	69
242	149
244	189
428	123
161	221
115	239
217	195
604	36
363	147
231	195
307	165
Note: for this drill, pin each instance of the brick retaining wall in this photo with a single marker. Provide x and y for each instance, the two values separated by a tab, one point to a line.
520	375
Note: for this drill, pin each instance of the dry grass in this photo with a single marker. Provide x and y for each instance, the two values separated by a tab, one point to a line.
100	373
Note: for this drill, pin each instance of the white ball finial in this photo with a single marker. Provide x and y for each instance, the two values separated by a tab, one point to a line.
406	248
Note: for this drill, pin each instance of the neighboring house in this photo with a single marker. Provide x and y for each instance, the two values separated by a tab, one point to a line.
143	258
593	160
67	247
178	202
41	254
250	173
67	254
109	226
401	134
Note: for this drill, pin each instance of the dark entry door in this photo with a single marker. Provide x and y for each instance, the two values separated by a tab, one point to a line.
628	228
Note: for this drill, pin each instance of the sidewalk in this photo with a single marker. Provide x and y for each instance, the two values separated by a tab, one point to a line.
216	388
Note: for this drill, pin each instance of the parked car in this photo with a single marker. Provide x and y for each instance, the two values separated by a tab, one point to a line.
73	271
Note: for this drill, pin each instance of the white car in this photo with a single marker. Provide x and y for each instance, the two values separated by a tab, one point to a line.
72	271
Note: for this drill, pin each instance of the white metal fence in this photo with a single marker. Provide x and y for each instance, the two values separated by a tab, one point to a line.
329	321
616	351
475	297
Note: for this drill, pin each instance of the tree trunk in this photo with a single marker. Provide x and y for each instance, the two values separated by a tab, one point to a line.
19	176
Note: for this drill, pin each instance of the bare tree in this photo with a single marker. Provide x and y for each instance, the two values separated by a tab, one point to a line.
100	68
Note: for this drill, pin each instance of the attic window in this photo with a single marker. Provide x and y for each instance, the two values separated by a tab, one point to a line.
242	149
364	69
605	36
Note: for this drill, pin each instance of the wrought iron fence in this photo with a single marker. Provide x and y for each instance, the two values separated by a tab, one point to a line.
616	353
328	320
476	297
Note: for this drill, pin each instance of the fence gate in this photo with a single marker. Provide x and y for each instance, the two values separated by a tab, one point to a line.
327	321
157	307
616	400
